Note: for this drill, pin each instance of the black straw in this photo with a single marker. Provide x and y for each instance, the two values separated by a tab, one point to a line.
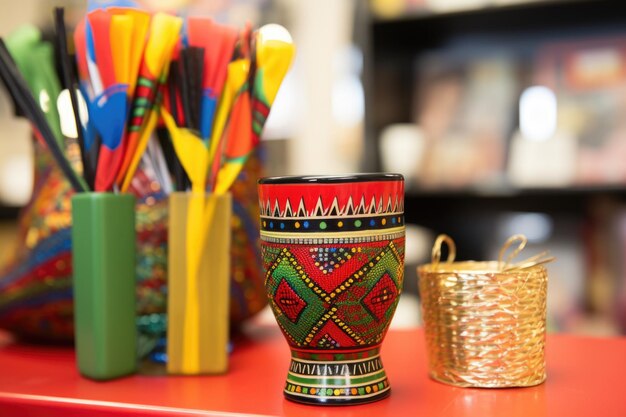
181	180
194	67
171	89
69	82
182	83
91	157
189	82
16	85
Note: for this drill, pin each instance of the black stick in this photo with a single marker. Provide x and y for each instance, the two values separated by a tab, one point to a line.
69	82
173	163
171	89
183	86
195	69
16	85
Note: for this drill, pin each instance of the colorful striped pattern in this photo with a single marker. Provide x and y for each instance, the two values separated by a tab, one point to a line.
337	381
142	103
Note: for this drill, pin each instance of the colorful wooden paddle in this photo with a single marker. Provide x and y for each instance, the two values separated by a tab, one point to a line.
274	54
141	23
109	79
163	37
238	73
218	42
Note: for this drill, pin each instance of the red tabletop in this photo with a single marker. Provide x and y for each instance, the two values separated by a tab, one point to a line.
585	378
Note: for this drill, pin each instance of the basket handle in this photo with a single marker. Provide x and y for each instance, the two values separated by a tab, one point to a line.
521	240
436	252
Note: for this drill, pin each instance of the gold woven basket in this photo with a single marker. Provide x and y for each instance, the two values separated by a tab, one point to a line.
485	322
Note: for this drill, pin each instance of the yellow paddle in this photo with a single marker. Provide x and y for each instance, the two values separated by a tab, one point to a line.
194	156
274	54
164	33
140	23
237	74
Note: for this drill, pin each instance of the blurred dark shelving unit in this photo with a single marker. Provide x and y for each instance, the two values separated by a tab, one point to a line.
570	200
9	212
391	46
476	217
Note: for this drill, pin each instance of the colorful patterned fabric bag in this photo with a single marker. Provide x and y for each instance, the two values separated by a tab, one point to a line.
36	285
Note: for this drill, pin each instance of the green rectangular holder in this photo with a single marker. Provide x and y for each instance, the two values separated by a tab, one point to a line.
103	259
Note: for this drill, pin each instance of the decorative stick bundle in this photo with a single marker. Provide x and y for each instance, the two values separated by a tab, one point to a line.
212	140
120	81
122	55
211	88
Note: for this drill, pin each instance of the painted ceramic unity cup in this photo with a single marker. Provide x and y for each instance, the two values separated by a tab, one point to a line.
333	251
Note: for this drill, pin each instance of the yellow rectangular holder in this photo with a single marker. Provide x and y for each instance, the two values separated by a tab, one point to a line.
208	320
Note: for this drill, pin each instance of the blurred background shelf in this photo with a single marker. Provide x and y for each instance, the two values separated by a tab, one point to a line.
507	117
554	200
517	11
392	46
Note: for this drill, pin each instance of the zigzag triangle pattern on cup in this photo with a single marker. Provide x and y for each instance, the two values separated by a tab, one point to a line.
307	209
320	200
